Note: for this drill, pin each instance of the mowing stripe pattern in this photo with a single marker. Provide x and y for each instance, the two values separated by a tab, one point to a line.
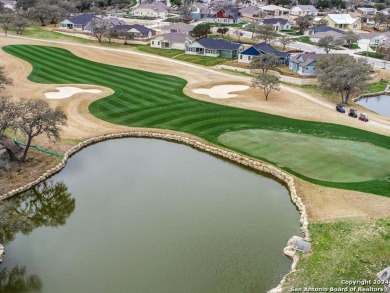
145	99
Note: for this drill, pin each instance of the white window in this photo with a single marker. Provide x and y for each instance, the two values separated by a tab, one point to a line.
158	43
355	26
152	42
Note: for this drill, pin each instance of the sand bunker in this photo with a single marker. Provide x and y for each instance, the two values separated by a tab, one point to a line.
68	91
221	91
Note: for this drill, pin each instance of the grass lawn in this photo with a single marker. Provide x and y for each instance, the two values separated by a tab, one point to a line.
379	86
145	99
338	161
305	40
372	54
344	250
156	51
201	60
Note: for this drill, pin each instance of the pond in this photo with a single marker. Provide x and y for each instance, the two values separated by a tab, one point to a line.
379	104
143	215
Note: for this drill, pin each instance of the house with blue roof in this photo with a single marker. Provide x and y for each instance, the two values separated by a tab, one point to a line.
261	49
214	48
280	24
77	22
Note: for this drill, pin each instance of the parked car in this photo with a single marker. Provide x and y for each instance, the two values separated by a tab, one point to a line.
353	113
363	117
340	108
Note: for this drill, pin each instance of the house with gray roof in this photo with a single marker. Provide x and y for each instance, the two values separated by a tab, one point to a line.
107	22
314	38
77	22
176	40
153	10
177	27
280	24
366	40
136	31
10	4
321	29
214	48
250	12
260	49
199	10
303	10
304	64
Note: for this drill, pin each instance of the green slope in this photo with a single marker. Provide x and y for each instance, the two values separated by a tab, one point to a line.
146	99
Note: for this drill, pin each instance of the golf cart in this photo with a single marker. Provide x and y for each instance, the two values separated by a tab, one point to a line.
340	108
363	117
353	113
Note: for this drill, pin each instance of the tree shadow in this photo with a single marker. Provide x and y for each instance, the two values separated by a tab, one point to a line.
14	280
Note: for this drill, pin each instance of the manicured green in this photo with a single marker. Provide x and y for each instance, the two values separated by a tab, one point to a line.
379	86
145	99
338	160
344	250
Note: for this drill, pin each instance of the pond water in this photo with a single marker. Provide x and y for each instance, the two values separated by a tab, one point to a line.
142	215
379	104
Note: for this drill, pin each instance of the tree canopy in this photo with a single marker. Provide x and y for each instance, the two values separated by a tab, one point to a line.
201	30
266	32
265	62
267	82
343	74
329	42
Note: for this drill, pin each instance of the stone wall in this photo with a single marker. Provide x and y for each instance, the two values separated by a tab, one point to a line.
386	92
256	165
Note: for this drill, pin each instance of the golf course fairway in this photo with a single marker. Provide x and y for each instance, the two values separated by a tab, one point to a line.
145	99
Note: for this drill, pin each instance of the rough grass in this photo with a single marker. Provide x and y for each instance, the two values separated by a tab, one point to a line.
319	158
379	86
145	99
344	250
161	52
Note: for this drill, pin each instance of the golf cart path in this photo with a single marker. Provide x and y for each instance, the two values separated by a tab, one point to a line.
247	79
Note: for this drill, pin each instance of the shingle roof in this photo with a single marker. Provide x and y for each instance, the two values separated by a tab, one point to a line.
282	21
320	35
266	48
180	26
176	37
342	18
250	10
311	8
142	29
218	44
306	59
325	28
203	8
156	6
82	18
273	8
232	12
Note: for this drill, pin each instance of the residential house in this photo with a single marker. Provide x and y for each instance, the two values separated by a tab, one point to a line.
384	48
109	22
343	21
177	41
77	22
10	4
225	16
367	40
321	29
385	11
136	31
154	10
199	10
214	48
275	11
262	48
177	27
314	38
303	10
250	13
280	24
304	64
367	11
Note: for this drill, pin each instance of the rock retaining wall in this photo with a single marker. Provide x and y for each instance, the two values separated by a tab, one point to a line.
386	92
203	146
